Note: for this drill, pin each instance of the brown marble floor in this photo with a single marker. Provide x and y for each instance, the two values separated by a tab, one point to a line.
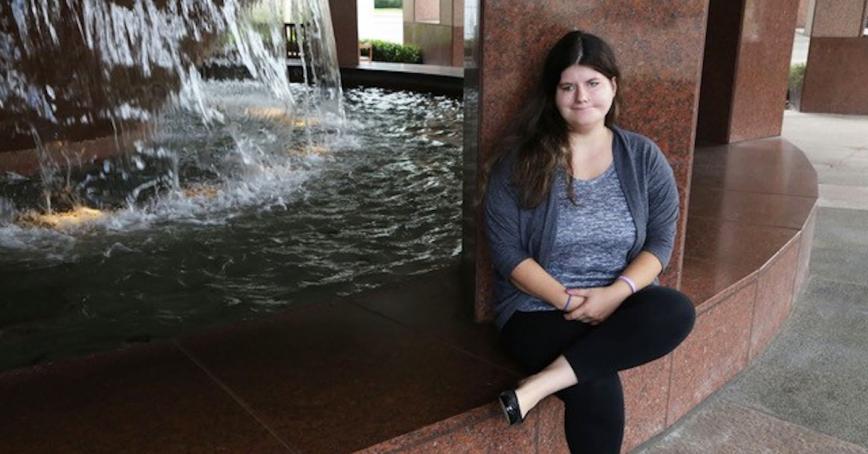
350	373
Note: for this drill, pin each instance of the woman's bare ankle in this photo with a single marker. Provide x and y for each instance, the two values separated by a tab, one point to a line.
528	394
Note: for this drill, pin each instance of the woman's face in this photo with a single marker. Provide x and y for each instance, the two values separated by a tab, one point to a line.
583	97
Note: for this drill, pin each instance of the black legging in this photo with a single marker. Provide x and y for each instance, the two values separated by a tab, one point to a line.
647	325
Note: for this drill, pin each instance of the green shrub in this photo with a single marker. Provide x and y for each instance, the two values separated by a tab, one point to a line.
378	4
396	53
797	75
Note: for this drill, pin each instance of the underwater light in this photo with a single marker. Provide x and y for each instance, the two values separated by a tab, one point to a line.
201	191
279	114
62	220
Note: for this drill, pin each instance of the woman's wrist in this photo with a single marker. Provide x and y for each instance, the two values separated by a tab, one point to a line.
568	303
622	288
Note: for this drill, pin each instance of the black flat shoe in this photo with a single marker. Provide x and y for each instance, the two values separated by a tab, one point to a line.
509	404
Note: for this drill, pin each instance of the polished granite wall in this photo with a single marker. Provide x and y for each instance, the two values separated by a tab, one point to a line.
718	71
760	86
745	69
659	46
835	77
837	18
837	59
345	22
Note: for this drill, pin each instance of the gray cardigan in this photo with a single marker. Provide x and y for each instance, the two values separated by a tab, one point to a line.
515	234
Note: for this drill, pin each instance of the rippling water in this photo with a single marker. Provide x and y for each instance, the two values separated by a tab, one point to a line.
256	223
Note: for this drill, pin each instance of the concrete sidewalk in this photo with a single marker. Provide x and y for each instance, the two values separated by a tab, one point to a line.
806	394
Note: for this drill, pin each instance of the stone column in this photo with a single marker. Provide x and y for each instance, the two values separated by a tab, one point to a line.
837	59
802	15
659	46
345	22
744	74
837	18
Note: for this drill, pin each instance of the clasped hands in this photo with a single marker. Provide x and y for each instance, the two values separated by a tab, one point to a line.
594	305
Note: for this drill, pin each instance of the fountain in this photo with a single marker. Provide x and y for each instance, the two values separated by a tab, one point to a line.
108	73
140	199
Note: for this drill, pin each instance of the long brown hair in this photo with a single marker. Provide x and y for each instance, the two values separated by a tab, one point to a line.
541	136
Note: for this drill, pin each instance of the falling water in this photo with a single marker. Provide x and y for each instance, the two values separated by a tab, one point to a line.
78	70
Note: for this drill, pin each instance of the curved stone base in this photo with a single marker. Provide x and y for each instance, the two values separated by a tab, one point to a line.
404	368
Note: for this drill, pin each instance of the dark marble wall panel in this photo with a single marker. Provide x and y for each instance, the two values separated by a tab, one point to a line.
760	88
345	22
838	18
744	80
474	259
835	76
659	47
718	70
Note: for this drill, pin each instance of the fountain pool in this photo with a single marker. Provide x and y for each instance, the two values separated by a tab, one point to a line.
254	226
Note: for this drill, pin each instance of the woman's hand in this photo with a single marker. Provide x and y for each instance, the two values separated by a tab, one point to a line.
595	304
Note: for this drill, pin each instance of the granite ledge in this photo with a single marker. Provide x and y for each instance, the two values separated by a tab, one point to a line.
445	330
